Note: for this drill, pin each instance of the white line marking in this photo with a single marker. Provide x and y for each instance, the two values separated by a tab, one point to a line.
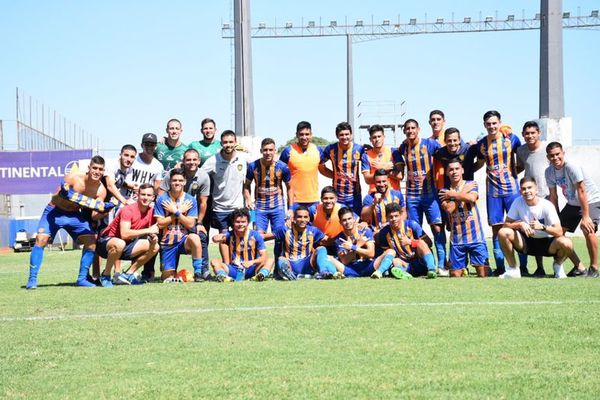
134	314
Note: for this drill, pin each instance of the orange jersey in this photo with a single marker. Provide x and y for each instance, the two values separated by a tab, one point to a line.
385	156
304	168
330	226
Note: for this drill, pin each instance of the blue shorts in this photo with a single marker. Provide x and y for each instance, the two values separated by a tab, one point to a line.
417	267
54	219
355	203
498	206
360	268
430	206
220	221
249	273
276	216
302	266
169	255
102	251
312	207
477	252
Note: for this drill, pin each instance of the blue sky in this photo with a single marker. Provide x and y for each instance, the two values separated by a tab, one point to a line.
123	68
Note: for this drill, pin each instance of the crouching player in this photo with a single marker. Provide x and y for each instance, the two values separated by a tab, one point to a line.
302	253
466	232
132	235
243	252
79	190
176	213
407	245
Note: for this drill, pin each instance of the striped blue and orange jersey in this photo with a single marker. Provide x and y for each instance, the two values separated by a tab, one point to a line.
499	156
364	235
298	245
390	238
465	221
418	160
304	169
346	168
244	248
378	217
173	233
269	181
385	156
329	225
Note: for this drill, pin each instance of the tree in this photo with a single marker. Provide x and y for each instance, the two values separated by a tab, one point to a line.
319	141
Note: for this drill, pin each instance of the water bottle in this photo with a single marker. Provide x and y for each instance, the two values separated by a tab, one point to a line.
241	272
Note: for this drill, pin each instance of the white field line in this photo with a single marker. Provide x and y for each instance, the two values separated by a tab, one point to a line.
135	314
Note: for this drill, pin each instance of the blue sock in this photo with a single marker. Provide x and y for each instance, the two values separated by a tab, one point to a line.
264	272
35	261
523	260
197	264
87	257
429	262
204	243
498	255
221	273
439	239
386	263
323	262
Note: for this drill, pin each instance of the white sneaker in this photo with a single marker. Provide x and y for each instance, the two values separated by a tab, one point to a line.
559	272
443	272
511	273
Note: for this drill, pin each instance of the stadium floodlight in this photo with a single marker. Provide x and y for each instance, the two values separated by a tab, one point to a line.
333	24
511	17
226	26
413	21
567	15
439	21
311	24
467	20
359	22
288	25
262	25
386	22
594	14
489	19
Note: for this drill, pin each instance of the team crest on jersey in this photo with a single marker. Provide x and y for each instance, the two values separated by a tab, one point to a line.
356	156
240	167
41	230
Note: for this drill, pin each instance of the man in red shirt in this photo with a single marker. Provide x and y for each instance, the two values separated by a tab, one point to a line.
132	235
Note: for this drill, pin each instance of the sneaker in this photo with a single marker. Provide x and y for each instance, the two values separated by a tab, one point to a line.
399	273
539	273
500	271
258	277
576	272
443	272
376	275
224	278
559	272
198	277
593	273
91	279
128	279
284	270
524	271
106	281
465	272
326	275
173	279
84	283
31	283
511	273
338	275
431	274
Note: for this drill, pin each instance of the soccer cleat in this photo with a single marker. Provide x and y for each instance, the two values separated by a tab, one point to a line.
593	273
326	275
511	273
559	272
106	281
31	283
258	277
376	275
284	270
173	279
500	271
576	272
465	273
539	273
524	271
199	277
443	272
224	278
338	275
85	283
399	273
431	274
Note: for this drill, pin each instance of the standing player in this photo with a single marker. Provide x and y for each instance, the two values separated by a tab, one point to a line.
498	152
176	213
209	145
379	157
303	158
583	202
373	211
64	212
116	173
243	252
455	148
269	176
416	155
345	156
532	227
459	200
171	151
437	121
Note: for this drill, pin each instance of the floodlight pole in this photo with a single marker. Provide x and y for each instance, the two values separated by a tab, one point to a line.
244	101
551	60
349	82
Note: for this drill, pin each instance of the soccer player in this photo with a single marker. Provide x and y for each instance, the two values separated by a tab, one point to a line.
406	245
64	212
227	170
416	155
326	218
373	211
467	238
437	121
197	185
176	213
345	156
243	252
209	145
269	176
130	236
532	227
171	151
583	203
498	152
302	253
378	157
455	148
303	158
532	159
145	168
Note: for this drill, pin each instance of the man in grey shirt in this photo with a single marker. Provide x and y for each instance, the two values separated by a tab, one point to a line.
532	159
583	203
227	171
197	184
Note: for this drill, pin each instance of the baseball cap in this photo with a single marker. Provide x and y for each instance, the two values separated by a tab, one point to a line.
149	138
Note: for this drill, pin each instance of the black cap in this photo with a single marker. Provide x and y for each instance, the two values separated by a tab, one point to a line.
149	138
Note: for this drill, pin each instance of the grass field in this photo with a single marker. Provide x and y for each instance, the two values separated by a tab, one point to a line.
445	338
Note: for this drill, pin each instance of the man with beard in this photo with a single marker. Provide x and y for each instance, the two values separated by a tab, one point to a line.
171	151
373	211
378	157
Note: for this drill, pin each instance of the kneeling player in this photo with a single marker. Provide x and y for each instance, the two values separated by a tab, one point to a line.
123	239
176	212
243	252
466	232
407	243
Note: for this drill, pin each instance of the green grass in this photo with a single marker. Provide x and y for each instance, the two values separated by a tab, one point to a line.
359	338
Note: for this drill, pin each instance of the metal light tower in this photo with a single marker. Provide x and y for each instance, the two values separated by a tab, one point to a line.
244	101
